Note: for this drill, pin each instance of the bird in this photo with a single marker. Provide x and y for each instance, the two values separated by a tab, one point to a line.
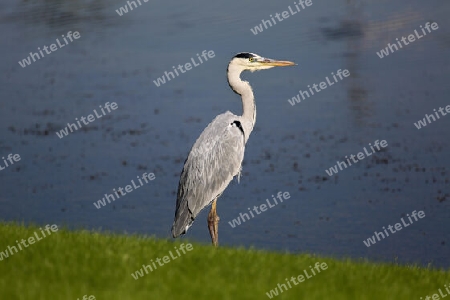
216	156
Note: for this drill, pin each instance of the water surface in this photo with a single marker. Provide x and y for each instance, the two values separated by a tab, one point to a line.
117	58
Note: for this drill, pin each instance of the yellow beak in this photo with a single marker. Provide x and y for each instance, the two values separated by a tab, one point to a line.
277	63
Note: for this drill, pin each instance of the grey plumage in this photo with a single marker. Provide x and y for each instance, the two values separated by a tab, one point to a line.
216	157
213	161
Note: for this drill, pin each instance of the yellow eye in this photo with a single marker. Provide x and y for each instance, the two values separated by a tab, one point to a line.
251	59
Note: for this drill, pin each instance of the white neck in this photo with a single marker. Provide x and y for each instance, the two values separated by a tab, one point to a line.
244	89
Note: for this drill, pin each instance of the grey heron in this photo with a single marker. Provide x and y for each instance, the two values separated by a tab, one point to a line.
216	157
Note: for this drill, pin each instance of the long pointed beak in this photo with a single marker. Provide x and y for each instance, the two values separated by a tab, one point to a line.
277	63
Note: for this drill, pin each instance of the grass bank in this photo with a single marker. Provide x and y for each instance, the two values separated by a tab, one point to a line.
71	264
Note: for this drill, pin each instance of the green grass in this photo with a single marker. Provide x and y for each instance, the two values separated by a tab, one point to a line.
68	265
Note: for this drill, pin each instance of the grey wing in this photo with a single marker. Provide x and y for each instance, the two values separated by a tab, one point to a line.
213	161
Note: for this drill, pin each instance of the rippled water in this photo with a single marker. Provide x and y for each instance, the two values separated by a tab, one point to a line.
117	58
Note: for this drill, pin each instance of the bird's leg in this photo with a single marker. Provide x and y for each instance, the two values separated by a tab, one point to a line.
213	224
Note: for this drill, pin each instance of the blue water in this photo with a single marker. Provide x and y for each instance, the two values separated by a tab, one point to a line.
117	58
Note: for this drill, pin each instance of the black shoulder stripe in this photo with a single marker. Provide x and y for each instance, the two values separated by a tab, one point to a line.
239	125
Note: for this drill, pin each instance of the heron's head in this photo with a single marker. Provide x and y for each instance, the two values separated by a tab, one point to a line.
253	62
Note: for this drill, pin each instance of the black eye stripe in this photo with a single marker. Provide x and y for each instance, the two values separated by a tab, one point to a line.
244	55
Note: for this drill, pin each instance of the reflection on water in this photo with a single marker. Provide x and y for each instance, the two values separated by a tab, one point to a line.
118	57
